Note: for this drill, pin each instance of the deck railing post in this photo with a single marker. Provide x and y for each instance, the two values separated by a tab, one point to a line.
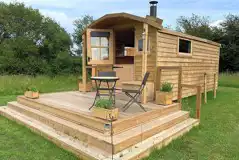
215	86
205	88
199	102
180	87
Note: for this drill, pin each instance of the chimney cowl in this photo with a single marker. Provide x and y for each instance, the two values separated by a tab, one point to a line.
153	2
153	8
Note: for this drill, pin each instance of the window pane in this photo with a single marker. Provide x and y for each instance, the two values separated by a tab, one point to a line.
140	45
104	42
104	53
184	46
95	41
95	53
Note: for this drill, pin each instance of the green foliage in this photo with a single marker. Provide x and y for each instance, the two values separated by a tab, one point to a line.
166	87
80	25
226	34
33	44
195	25
104	103
32	88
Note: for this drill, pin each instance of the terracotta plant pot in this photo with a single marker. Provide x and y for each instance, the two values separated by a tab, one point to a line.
31	94
164	98
88	86
106	114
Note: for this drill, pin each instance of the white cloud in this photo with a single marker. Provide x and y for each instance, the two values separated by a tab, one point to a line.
216	23
48	3
60	17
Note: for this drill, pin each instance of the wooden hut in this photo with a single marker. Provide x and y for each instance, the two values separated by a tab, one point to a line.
132	45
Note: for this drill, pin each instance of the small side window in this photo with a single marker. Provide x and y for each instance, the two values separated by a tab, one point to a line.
140	45
185	47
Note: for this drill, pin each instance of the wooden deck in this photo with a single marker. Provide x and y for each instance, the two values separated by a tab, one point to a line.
77	105
65	119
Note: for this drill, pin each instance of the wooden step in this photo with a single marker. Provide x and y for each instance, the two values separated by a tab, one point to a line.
85	151
88	121
97	139
158	141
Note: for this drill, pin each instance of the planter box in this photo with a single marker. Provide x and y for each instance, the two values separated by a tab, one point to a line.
88	86
105	113
164	98
32	95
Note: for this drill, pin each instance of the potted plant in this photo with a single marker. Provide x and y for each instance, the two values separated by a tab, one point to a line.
32	92
88	85
165	95
104	109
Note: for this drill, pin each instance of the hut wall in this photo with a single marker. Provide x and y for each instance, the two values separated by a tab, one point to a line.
204	59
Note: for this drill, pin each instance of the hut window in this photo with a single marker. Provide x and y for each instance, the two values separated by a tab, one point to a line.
185	46
100	45
140	45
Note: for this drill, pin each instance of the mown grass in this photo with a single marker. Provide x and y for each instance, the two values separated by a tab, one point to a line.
217	136
19	143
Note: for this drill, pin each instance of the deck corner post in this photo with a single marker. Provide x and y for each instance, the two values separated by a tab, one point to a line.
199	102
215	86
145	59
84	70
205	88
180	86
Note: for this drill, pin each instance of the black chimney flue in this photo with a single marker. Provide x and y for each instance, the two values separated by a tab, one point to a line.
153	8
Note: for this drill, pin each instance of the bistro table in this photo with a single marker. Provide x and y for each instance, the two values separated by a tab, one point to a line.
109	88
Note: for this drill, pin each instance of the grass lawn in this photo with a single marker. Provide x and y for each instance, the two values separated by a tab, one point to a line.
229	80
216	138
16	85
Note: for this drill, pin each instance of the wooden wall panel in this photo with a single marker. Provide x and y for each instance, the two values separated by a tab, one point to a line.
204	59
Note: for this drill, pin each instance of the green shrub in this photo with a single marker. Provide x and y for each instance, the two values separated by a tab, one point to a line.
32	88
104	103
166	87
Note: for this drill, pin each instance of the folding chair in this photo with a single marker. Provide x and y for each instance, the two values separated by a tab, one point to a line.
137	93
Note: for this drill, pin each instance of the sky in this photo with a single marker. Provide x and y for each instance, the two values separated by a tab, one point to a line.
66	11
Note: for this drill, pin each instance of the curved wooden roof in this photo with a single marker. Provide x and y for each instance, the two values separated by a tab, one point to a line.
154	22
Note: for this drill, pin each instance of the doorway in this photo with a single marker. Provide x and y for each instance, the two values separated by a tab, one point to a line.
124	54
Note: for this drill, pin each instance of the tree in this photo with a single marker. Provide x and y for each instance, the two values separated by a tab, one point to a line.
29	42
80	25
195	25
230	44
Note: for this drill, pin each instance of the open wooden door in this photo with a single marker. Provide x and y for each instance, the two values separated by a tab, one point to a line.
100	46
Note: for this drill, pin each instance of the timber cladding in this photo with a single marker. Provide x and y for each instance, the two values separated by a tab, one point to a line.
204	58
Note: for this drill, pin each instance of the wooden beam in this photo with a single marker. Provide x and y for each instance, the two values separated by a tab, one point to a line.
180	86
84	59
145	59
190	85
205	88
215	86
170	67
199	102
